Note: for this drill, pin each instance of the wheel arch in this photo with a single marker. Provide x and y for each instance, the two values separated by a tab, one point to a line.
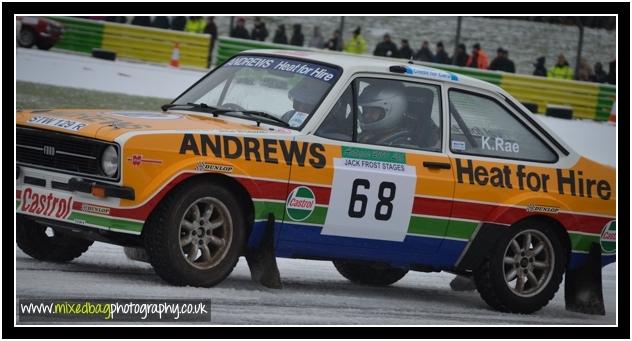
487	235
244	197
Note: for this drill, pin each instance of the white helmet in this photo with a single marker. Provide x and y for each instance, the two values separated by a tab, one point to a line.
389	100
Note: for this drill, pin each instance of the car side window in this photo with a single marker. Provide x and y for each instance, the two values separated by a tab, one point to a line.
338	124
399	114
387	113
480	125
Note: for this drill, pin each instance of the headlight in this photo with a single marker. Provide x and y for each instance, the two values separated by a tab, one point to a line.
109	161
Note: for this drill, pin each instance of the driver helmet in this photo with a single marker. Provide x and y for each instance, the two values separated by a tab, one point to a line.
383	107
306	95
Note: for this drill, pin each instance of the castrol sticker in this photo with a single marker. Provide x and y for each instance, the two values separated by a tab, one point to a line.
300	203
45	203
609	237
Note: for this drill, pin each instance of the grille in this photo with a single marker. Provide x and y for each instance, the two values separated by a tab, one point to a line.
66	153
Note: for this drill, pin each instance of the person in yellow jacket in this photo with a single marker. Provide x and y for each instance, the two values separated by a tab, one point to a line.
561	70
357	44
195	25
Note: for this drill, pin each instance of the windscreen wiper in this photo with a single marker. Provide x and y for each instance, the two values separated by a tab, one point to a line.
264	115
218	111
204	106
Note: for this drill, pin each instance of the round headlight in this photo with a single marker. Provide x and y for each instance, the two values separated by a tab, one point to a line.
109	161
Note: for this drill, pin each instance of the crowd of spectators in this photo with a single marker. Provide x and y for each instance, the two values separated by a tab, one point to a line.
477	58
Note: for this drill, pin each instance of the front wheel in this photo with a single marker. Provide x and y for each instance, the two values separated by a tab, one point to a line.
368	273
196	235
45	243
523	271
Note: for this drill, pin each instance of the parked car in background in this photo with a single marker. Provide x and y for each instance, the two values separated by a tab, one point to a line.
44	33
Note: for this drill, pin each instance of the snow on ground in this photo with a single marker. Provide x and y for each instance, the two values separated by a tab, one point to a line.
314	292
78	71
62	69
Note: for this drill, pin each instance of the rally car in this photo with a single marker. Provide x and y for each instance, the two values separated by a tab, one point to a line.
380	166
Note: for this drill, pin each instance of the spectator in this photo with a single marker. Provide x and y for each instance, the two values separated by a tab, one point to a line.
585	71
612	69
441	56
502	62
178	23
561	70
317	39
239	31
279	36
259	32
405	51
460	56
386	48
357	44
142	21
211	29
297	38
424	54
334	43
600	76
195	25
540	69
478	59
160	22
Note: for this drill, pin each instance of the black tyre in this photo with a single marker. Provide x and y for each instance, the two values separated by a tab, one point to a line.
524	270
44	46
44	243
196	235
26	38
369	273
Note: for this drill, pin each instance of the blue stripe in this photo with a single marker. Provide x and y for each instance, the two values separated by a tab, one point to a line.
303	241
578	259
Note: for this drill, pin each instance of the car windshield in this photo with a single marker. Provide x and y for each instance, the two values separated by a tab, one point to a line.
287	89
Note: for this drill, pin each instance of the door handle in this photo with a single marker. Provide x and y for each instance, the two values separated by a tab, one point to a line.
436	165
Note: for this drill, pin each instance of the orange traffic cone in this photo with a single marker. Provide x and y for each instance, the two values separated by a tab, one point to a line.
175	55
613	114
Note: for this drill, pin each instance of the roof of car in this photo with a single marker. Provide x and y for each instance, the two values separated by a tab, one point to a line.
367	63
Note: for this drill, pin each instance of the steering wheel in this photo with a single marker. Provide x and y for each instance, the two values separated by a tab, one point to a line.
233	106
393	139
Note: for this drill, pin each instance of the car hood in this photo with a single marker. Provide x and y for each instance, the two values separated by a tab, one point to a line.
108	125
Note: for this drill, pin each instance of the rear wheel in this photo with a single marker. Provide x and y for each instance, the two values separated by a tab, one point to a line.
368	273
26	38
45	243
523	271
196	235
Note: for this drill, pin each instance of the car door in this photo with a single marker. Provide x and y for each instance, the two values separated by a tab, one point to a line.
490	148
384	191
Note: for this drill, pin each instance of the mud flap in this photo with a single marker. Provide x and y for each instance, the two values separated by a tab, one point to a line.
462	283
262	262
582	288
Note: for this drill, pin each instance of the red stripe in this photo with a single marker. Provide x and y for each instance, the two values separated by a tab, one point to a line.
278	190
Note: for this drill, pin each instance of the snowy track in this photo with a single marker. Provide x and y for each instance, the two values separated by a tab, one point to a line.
313	293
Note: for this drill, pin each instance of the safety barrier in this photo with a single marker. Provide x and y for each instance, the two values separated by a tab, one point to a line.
586	100
134	42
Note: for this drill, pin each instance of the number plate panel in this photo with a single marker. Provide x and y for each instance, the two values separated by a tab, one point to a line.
346	171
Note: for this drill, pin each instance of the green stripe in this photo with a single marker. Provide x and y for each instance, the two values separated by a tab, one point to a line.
107	222
373	154
582	242
17	204
429	226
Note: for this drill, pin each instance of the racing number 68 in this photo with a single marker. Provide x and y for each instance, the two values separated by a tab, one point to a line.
385	199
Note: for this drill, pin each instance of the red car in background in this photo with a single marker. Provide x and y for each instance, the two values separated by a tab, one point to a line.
38	31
